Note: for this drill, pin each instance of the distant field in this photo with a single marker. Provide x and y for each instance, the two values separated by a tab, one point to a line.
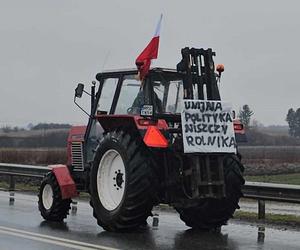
270	160
271	154
275	130
258	160
38	156
34	138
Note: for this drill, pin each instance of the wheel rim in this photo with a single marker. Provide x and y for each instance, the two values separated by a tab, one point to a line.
47	196
111	178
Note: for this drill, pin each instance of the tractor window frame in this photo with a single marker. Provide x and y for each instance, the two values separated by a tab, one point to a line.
115	96
165	77
98	95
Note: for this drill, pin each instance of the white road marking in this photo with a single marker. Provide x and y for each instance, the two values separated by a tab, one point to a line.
52	240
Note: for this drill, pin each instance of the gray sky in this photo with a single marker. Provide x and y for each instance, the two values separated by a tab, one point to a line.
47	47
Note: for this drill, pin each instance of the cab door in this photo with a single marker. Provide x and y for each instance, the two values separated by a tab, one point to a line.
104	105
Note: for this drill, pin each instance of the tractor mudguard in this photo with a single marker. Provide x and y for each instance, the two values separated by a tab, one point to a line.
65	181
149	130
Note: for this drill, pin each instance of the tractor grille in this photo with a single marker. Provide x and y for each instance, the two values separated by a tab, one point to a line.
77	161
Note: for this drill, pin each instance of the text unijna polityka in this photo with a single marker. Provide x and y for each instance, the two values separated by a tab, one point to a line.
207	117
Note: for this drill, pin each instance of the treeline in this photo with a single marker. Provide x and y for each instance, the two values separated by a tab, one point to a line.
255	137
9	129
51	126
39	126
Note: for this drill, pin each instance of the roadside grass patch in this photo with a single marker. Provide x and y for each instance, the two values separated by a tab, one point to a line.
282	219
281	178
20	187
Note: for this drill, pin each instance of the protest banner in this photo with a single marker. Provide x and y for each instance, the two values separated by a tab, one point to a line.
207	127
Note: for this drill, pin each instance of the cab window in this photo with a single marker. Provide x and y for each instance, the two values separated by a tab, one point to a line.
107	94
168	95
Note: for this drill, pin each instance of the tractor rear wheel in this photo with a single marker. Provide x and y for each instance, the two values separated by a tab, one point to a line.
121	182
51	204
213	213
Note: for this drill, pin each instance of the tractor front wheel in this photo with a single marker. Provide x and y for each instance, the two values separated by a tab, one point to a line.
51	204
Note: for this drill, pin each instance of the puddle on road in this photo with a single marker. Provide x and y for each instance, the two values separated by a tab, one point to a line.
172	235
261	237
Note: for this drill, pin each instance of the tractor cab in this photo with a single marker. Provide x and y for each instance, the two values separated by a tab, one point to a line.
125	94
122	99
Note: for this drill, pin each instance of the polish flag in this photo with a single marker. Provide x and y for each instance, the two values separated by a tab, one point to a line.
143	61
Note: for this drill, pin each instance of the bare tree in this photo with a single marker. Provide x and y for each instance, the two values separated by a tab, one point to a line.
245	115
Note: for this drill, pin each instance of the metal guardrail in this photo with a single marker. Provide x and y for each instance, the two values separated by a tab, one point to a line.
13	170
272	192
253	190
262	192
23	170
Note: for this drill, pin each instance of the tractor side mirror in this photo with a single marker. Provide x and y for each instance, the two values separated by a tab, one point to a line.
78	94
79	90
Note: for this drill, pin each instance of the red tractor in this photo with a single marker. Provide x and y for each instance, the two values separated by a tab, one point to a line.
131	155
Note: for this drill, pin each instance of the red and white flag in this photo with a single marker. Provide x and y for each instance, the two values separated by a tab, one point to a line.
143	61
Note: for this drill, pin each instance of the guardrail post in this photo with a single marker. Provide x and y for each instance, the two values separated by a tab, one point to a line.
261	209
74	207
155	217
11	190
261	234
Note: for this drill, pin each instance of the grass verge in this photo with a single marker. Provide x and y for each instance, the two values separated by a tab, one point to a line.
20	187
281	178
278	219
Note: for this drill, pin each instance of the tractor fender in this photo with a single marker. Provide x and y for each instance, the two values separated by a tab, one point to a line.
145	127
65	181
111	122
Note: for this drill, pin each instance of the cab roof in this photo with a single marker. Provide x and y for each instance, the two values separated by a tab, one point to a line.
117	72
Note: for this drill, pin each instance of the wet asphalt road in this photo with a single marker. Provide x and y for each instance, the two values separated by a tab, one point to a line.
21	227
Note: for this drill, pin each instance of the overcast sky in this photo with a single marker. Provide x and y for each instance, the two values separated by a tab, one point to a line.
47	47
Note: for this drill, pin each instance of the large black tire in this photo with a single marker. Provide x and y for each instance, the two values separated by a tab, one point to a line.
138	198
213	213
55	209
